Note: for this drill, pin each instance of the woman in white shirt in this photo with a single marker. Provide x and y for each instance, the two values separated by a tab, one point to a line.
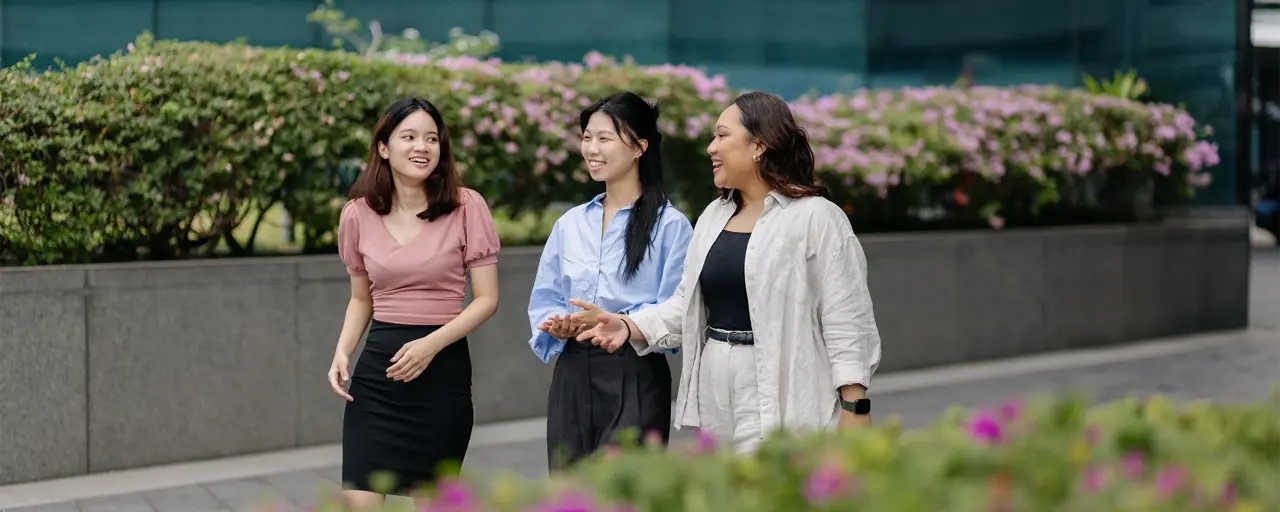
772	312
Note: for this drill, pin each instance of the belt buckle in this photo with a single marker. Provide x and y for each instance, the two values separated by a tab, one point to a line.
734	337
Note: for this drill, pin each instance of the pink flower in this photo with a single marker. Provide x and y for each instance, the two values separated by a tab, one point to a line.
1169	480
571	501
453	496
1092	434
593	59
1092	479
1228	495
984	427
828	482
1011	410
706	442
1134	465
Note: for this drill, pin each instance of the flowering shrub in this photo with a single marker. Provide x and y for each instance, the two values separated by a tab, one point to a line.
162	150
1045	454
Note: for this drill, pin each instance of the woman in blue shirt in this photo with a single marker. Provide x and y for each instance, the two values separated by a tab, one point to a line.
618	253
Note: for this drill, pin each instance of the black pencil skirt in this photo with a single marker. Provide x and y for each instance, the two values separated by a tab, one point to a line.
405	429
596	395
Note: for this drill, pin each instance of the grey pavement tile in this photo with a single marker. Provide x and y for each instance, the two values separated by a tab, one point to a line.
65	506
191	498
306	488
247	494
332	473
527	459
1246	370
118	503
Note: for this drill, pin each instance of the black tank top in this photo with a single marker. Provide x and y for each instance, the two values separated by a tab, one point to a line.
724	284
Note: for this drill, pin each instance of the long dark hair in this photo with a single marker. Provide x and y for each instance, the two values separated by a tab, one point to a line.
375	184
636	119
787	163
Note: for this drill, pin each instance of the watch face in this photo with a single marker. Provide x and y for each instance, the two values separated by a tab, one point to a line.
859	406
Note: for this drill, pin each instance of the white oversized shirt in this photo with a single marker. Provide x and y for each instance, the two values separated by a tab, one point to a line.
811	312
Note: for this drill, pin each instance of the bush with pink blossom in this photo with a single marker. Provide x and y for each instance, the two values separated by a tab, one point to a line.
1042	454
163	150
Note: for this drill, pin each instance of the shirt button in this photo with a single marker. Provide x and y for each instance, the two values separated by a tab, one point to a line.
764	402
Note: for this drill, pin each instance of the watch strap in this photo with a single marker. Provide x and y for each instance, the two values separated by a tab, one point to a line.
861	406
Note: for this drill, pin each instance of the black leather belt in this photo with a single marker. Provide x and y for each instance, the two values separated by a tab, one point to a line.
731	337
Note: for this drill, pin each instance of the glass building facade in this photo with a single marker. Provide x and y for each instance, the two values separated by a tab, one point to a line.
1185	49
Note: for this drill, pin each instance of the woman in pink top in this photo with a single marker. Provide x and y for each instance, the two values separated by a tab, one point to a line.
408	237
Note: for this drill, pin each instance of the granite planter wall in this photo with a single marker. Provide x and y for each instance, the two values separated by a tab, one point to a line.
115	366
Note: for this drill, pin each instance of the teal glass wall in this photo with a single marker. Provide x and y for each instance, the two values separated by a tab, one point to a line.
1185	49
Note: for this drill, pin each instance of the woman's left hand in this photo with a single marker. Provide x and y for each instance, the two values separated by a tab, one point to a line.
851	420
411	360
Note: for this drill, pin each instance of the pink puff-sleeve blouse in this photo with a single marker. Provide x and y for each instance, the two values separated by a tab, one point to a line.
422	282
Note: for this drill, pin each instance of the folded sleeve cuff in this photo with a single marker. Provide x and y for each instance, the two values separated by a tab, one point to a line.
651	325
847	374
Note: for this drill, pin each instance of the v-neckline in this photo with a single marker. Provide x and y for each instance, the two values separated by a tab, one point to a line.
383	221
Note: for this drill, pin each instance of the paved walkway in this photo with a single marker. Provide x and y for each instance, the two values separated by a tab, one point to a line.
1240	365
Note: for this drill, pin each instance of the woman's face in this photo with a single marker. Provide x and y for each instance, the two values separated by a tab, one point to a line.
413	149
732	151
606	151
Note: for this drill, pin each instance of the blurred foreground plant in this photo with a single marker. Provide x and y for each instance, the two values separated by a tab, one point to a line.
1043	454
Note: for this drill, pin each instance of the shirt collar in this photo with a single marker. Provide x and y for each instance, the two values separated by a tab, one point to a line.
598	200
782	200
777	197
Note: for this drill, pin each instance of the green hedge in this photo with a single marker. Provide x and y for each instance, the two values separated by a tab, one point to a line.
1047	454
173	150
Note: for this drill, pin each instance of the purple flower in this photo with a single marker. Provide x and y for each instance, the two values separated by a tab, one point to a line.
706	442
570	501
452	496
1228	496
1134	465
1169	480
1092	479
984	427
1092	434
826	483
593	59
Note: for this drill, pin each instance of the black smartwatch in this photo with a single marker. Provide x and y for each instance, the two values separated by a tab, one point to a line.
861	406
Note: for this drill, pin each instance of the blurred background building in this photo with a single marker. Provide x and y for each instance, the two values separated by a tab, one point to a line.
1189	51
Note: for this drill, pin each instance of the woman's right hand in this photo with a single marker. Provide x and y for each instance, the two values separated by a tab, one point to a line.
560	326
609	334
338	375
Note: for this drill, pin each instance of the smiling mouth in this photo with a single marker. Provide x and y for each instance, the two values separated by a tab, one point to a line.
595	164
420	161
715	166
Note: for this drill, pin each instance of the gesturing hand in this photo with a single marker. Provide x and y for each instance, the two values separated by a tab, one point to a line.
589	315
410	361
560	326
610	333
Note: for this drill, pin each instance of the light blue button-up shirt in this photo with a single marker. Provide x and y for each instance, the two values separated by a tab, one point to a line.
577	263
